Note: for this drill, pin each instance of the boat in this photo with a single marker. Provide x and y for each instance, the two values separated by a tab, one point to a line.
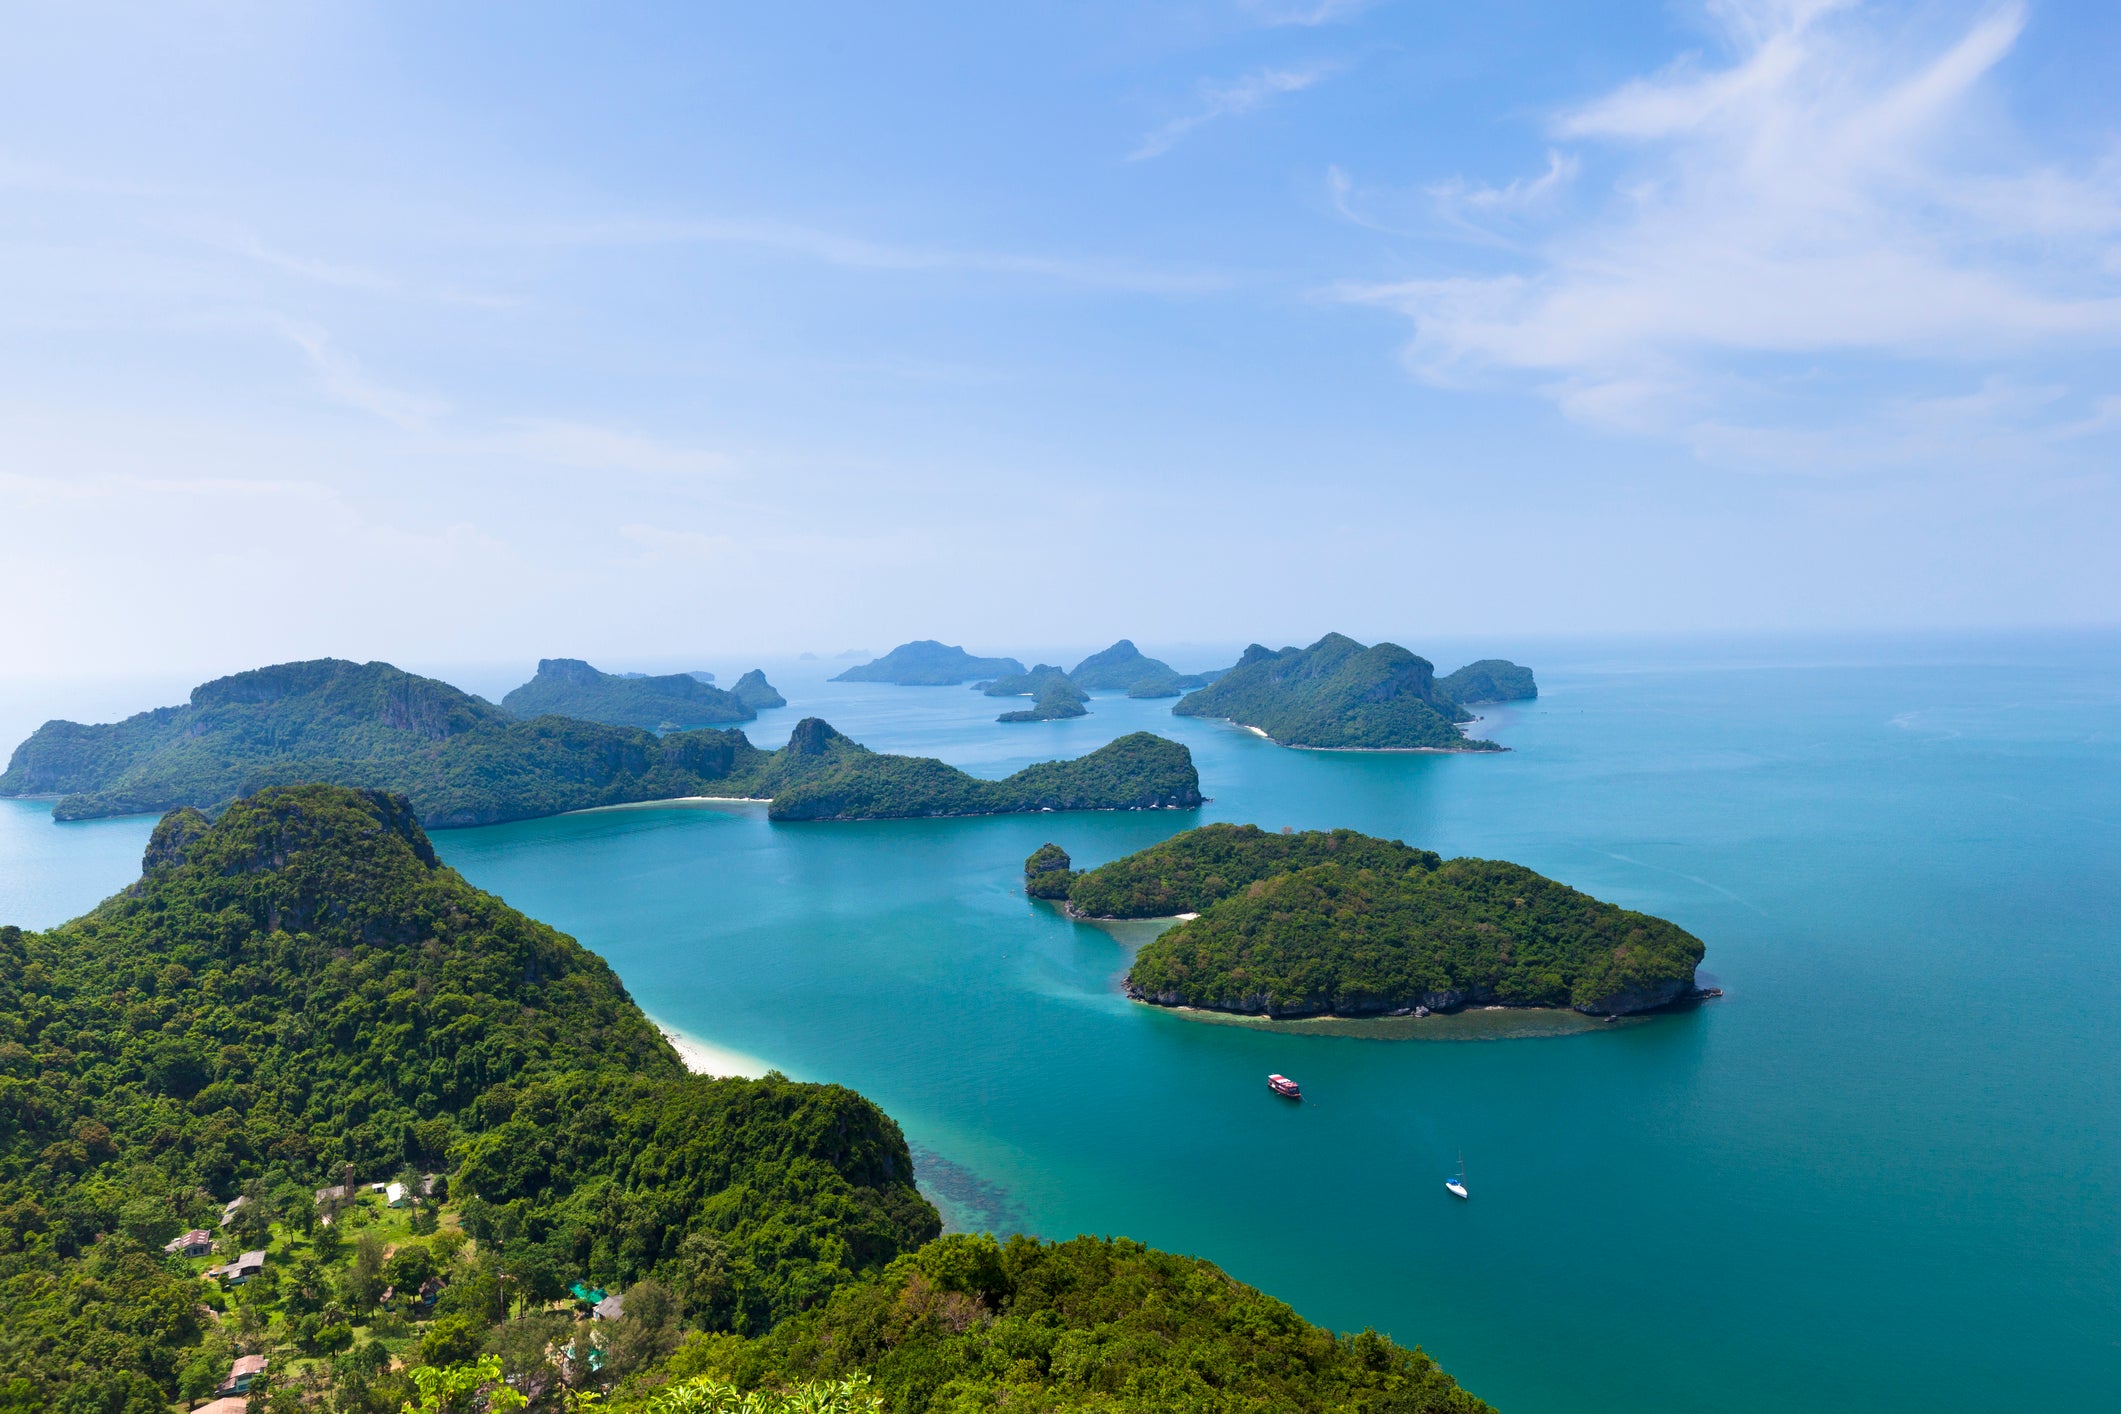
1457	1184
1283	1086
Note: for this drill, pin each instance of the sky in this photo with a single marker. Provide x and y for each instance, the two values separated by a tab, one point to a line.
442	332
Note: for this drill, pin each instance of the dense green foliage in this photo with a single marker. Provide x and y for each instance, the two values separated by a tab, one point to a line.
1058	699
301	990
755	692
1352	939
569	687
751	1198
462	761
927	663
1339	694
1190	871
1489	680
1091	1324
1046	872
1032	684
821	775
1123	667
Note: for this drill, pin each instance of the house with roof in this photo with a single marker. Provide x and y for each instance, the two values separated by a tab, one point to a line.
611	1308
235	1205
196	1243
242	1374
233	1404
241	1269
394	1194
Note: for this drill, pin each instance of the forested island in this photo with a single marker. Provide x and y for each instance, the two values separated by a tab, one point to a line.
755	692
569	687
1054	704
1489	680
1345	924
298	1001
1032	683
463	761
927	663
1338	694
1125	668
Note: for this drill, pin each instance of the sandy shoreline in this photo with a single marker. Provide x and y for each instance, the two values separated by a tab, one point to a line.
670	800
1371	750
706	1058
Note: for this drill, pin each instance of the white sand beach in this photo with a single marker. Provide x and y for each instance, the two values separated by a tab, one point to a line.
706	1058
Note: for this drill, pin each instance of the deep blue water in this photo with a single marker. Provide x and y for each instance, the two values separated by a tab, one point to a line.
1883	1173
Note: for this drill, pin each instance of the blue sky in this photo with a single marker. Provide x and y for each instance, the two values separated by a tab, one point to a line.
463	332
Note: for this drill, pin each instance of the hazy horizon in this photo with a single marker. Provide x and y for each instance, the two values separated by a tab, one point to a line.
383	331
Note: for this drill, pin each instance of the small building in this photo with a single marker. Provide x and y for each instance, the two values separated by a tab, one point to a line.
611	1308
588	1295
235	1204
394	1194
233	1404
337	1193
240	1375
241	1270
196	1243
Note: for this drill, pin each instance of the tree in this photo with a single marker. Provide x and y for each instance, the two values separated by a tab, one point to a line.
463	1389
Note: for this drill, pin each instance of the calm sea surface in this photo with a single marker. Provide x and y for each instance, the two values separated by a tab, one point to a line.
1883	1173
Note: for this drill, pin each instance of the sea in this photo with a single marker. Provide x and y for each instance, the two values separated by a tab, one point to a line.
1882	1172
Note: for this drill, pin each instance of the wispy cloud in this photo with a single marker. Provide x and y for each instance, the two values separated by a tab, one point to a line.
1306	12
1808	200
1229	100
589	447
340	376
860	253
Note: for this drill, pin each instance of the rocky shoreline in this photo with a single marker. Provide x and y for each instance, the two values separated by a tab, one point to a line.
1665	995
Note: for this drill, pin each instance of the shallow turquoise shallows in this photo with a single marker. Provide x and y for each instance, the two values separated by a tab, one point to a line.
1883	1173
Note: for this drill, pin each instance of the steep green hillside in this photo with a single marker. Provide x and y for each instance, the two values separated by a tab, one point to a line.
1090	1324
1337	693
462	761
569	687
301	988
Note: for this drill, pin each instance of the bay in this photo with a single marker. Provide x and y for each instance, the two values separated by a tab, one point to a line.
1883	1172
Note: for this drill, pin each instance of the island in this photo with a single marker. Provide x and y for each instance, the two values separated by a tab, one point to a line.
1124	668
1337	695
927	663
1030	684
569	687
299	1004
461	760
1489	680
1058	699
1337	923
755	692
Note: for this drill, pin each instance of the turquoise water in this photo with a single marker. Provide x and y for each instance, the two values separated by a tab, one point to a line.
1883	1173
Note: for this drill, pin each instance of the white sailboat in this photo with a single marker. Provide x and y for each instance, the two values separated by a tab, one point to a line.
1457	1185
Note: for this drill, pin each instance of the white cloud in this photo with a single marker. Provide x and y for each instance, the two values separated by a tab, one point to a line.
1228	100
856	252
341	376
1308	13
587	447
1820	196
